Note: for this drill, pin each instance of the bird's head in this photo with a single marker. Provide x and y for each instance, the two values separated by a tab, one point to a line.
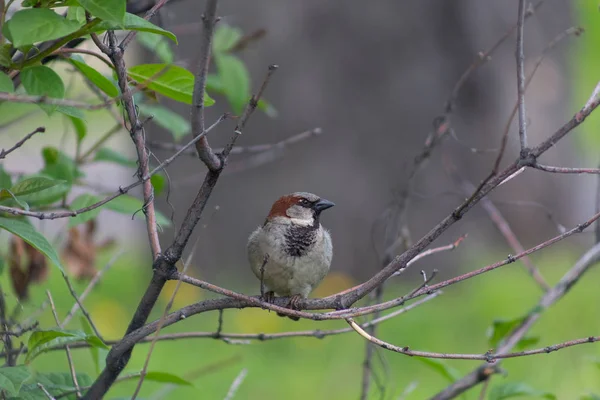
298	208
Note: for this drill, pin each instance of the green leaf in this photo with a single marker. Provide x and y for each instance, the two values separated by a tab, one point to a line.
225	37
46	196
42	340
235	79
441	368
5	56
84	200
21	203
108	155
267	108
508	390
527	342
12	378
29	234
132	22
28	186
70	111
167	119
5	180
171	81
80	128
58	384
500	328
126	204
40	80
166	377
76	13
107	10
157	45
59	165
213	84
96	78
6	84
158	182
34	25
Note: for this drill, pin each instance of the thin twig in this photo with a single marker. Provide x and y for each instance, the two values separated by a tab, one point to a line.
235	385
483	58
67	349
164	267
93	282
119	192
488	357
205	153
549	298
521	77
6	326
245	338
149	14
435	250
137	133
563	170
83	310
504	228
504	141
259	148
46	392
4	153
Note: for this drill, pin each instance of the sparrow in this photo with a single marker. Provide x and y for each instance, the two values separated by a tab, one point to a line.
291	252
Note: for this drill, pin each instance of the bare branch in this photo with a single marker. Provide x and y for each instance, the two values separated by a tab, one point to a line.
504	228
483	58
484	371
563	170
489	357
521	77
259	148
164	265
80	304
245	338
162	319
67	349
205	153
4	153
136	131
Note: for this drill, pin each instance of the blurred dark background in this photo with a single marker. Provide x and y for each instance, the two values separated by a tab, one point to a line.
373	76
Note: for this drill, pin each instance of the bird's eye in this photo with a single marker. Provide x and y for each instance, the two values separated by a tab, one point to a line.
303	202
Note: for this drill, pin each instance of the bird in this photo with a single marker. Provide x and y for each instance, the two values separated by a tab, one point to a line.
291	252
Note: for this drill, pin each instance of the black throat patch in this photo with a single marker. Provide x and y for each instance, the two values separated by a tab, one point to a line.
298	239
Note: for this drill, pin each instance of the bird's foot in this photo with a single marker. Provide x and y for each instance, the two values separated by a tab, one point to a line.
295	301
293	304
268	297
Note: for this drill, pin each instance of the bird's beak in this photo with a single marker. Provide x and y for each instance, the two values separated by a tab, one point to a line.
323	205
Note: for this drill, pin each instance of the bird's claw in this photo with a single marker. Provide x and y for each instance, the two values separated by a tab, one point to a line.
295	301
268	297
